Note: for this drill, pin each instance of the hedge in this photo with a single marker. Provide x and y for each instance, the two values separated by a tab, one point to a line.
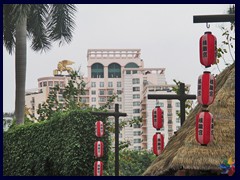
62	146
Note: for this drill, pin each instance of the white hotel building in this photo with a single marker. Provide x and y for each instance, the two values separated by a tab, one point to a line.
121	72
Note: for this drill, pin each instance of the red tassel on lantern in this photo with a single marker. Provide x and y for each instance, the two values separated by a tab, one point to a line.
158	143
204	127
206	88
157	117
208	49
99	129
98	149
98	168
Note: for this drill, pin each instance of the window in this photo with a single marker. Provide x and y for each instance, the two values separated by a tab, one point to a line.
61	84
119	99
137	133
60	91
136	110
131	65
161	104
93	99
56	83
137	148
60	98
44	83
170	127
114	70
102	99
135	81
137	140
50	83
136	88
93	84
177	104
119	84
110	84
169	106
40	84
101	92
110	92
101	84
83	100
137	103
128	72
178	120
119	92
97	71
93	92
136	126
136	96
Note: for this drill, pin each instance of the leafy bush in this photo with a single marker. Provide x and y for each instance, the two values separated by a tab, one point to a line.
61	146
131	162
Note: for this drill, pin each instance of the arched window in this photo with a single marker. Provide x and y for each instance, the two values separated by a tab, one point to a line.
131	65
114	70
97	71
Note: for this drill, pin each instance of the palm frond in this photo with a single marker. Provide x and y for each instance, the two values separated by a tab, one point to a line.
8	29
36	27
61	22
20	12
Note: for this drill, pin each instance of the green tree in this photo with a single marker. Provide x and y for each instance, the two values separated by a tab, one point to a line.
71	98
228	45
131	162
42	23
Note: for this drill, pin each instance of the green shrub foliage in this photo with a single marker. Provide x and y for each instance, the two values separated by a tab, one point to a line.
61	146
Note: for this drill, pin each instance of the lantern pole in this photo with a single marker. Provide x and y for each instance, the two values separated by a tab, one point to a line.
214	18
182	97
116	114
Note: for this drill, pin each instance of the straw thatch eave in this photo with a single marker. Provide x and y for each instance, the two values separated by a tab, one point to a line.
182	150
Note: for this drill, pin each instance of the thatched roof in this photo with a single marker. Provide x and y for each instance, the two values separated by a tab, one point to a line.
183	151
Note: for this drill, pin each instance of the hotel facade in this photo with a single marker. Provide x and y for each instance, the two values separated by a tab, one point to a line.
119	72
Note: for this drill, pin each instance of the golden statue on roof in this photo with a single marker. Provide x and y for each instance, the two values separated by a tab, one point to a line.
62	66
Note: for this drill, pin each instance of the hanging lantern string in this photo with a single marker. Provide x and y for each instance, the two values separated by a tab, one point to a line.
207	25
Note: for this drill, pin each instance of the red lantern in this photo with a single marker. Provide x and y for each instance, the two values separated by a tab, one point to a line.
158	143
204	127
99	130
157	117
98	168
206	88
98	149
208	49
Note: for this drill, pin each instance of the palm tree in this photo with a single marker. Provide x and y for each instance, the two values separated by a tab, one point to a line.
43	24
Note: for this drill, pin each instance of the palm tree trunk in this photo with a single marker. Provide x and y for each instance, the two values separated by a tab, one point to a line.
20	68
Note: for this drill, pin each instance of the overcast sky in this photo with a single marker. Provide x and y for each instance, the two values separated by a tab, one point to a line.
166	35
